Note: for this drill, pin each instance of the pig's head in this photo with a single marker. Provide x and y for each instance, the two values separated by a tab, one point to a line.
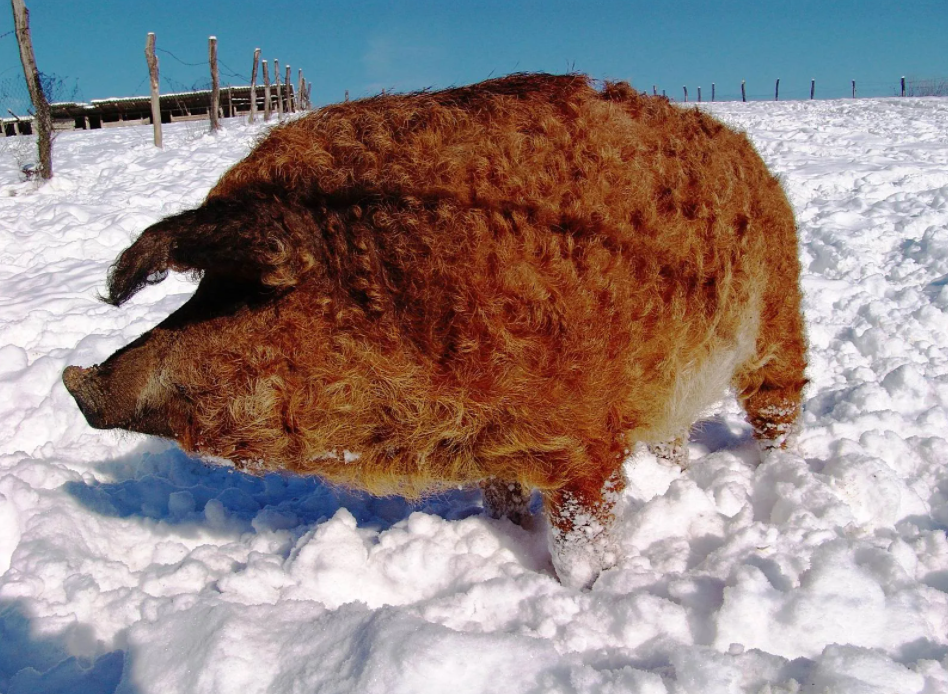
148	386
239	370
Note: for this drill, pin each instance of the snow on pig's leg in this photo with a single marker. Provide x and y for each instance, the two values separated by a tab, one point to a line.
673	451
581	515
770	386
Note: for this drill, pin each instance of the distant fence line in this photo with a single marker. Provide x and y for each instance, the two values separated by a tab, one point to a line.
183	101
912	86
136	110
180	101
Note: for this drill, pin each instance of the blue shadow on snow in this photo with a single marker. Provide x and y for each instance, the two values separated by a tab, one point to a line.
173	487
43	665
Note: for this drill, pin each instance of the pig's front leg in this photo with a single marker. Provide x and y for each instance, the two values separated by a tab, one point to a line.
581	515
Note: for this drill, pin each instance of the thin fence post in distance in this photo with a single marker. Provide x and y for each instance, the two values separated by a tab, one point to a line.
299	91
253	85
777	90
854	89
812	88
654	90
743	93
266	92
712	91
288	90
279	96
686	94
152	61
699	95
903	86
215	83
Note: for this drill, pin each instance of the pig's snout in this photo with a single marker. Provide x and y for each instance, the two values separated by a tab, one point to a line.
110	397
85	388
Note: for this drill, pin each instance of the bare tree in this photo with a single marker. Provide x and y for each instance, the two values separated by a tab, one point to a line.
44	121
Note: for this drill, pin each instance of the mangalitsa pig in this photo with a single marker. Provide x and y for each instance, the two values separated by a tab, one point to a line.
507	284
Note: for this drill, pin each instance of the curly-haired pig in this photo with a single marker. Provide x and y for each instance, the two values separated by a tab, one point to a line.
507	284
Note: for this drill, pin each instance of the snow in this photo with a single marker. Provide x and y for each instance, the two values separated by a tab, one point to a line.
127	566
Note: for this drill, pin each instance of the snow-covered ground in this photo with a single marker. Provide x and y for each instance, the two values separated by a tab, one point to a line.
127	566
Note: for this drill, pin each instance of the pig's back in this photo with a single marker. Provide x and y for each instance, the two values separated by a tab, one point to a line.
534	233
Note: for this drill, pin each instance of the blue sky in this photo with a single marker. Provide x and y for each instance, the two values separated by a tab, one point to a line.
96	46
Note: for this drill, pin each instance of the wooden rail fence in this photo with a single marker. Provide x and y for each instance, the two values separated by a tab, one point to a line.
205	104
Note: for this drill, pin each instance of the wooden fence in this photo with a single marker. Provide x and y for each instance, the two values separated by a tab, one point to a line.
136	110
205	104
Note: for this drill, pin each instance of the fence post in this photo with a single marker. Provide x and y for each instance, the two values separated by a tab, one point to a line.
812	88
215	84
266	92
44	120
299	91
686	94
743	93
279	97
777	91
152	61
253	85
712	91
288	91
654	90
903	86
854	89
699	94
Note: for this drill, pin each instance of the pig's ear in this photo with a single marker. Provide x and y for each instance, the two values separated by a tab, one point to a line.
144	262
255	239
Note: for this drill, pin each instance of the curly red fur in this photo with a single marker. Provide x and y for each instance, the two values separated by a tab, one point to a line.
514	280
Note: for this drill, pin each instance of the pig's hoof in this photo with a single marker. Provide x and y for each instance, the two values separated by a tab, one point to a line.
782	442
674	451
579	559
506	500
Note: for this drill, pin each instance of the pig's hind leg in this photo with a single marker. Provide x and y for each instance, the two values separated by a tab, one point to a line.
504	499
770	386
